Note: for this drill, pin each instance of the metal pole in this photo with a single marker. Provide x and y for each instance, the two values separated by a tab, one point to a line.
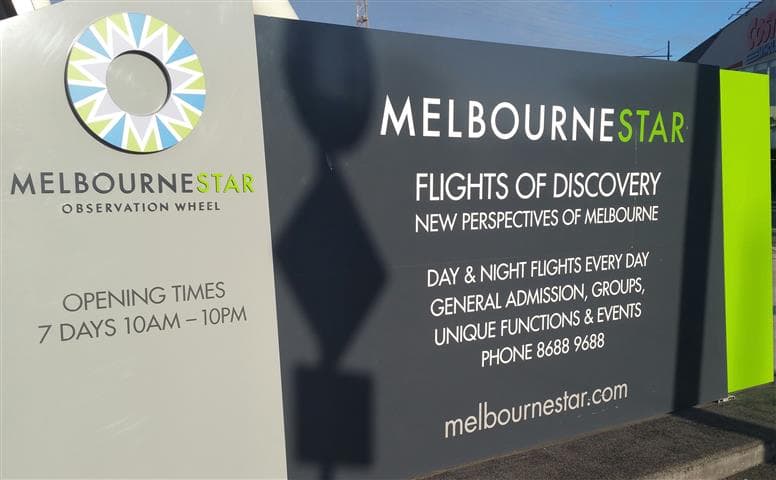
362	17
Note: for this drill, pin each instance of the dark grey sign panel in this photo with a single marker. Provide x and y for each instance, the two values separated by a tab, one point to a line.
481	247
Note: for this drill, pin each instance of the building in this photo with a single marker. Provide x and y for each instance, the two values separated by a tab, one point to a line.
747	43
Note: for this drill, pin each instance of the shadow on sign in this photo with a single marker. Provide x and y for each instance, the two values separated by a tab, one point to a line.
326	252
698	254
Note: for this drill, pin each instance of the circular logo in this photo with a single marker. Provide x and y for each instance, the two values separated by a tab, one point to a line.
102	86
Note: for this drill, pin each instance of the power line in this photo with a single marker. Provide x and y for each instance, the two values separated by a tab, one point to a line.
667	56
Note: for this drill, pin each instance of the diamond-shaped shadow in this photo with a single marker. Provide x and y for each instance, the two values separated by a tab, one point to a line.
331	264
334	415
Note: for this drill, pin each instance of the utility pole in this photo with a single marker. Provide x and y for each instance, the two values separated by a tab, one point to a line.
667	56
362	18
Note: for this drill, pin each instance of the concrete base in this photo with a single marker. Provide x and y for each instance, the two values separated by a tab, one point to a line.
766	471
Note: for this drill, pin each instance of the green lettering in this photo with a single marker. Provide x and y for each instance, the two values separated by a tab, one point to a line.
247	181
658	128
218	176
204	186
642	115
677	122
625	123
231	184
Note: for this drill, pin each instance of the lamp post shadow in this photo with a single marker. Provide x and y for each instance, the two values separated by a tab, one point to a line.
327	255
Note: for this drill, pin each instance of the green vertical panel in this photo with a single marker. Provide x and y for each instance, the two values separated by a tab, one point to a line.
746	208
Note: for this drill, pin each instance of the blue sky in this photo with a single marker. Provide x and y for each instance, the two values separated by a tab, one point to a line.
617	27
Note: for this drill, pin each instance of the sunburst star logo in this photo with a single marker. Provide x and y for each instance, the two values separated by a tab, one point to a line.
87	71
